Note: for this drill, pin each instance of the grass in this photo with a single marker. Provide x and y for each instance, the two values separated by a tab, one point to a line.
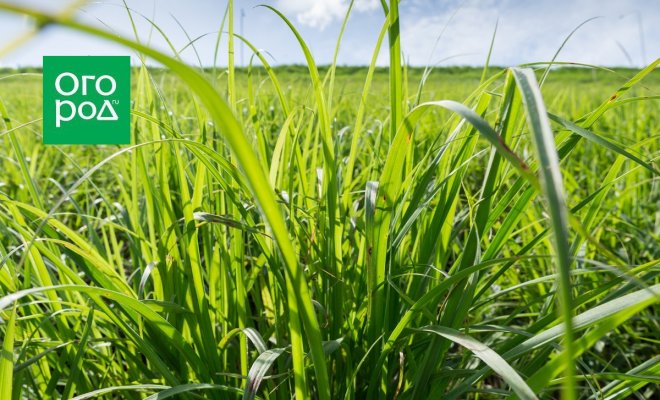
331	232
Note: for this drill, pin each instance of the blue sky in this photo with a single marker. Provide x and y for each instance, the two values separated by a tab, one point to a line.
449	32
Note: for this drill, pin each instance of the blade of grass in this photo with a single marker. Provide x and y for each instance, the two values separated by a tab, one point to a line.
553	190
7	358
488	356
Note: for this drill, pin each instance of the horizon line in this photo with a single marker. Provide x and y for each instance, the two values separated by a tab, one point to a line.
560	64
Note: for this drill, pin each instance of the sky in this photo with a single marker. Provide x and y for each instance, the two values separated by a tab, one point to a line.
433	32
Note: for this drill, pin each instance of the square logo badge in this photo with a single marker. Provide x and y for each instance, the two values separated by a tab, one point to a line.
86	100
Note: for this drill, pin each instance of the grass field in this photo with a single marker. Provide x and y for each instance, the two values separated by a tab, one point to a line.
336	233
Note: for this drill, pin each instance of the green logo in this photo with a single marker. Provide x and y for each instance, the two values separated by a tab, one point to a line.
87	99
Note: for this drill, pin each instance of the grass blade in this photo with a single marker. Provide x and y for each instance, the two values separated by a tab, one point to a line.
553	190
258	371
7	358
488	356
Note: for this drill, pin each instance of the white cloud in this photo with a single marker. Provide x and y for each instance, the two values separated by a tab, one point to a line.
530	32
366	5
321	13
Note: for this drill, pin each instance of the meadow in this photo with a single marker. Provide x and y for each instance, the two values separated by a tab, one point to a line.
334	232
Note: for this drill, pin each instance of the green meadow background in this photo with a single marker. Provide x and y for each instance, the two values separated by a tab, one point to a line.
336	232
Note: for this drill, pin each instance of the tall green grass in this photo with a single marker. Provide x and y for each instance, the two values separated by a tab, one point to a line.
327	234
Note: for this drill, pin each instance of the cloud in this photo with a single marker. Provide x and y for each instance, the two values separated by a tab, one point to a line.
321	13
530	32
367	5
